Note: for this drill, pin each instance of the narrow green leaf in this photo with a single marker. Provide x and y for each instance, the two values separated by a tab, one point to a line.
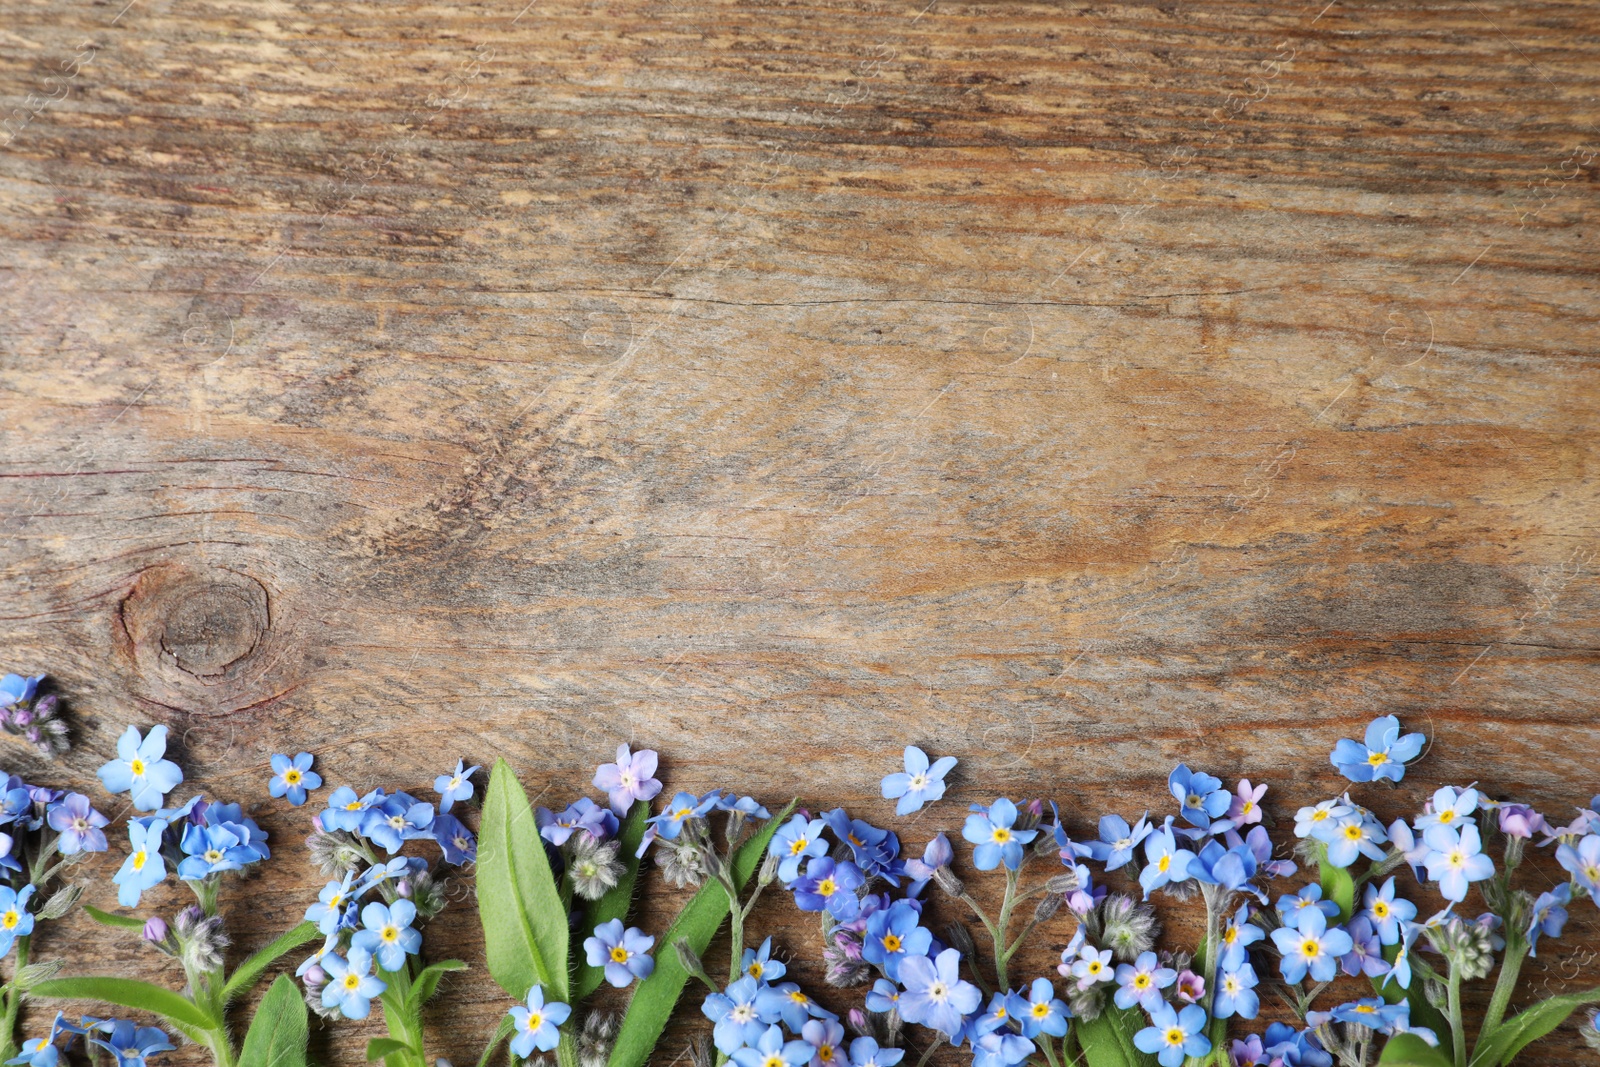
1108	1040
1409	1050
129	993
277	1036
1528	1026
105	918
699	921
615	904
524	923
379	1047
501	1032
1339	887
427	981
250	970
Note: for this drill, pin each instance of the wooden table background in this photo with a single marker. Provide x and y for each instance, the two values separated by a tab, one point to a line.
1074	388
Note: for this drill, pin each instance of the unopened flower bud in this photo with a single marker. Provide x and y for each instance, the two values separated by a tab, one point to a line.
155	930
1436	993
960	940
856	1019
769	870
690	959
1047	907
316	976
947	881
700	1052
1065	882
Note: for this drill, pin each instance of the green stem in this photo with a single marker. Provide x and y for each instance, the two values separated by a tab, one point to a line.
401	1016
1000	929
1049	1054
1504	986
13	997
736	915
1458	1030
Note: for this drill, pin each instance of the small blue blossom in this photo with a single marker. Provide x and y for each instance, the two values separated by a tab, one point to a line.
1549	915
938	853
139	768
15	689
831	887
1384	755
1456	858
1238	934
330	906
1583	863
1357	834
1385	912
892	934
920	783
993	831
630	779
1449	809
455	786
346	811
824	1037
389	935
1366	951
292	777
1172	1035
625	954
1309	820
1236	992
797	841
1041	1011
15	919
37	1051
351	983
935	995
535	1024
865	1052
794	1007
78	824
875	851
211	850
131	1044
1142	981
741	1014
1166	862
145	867
455	840
771	1050
883	996
1000	1048
759	964
684	806
1092	967
1292	907
395	820
1201	796
1400	966
1312	946
1118	840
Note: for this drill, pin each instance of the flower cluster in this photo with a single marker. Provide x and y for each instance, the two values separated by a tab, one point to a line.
758	1019
29	711
352	826
200	839
129	1044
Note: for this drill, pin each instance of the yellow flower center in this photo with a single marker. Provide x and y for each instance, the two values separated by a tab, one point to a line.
1319	815
1380	909
1041	1010
1353	832
798	845
825	1053
213	855
774	1061
354	805
1377	759
754	970
10	919
1446	815
535	1020
1163	863
1193	800
891	943
619	954
827	887
799	997
1247	807
1175	1037
1001	835
139	859
1141	981
1310	948
352	980
390	934
136	765
1094	969
292	776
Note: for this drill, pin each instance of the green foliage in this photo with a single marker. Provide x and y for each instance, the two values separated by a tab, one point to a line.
524	922
698	922
130	993
426	984
105	918
250	970
1409	1050
1529	1025
1339	887
380	1047
1107	1040
277	1036
501	1032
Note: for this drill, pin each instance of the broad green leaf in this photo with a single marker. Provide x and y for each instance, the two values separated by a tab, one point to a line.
698	922
248	971
501	1032
1528	1026
427	982
277	1036
1339	887
615	904
1409	1050
105	918
379	1047
524	923
1107	1041
129	993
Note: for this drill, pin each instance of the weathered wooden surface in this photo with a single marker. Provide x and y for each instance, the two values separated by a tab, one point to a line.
1071	388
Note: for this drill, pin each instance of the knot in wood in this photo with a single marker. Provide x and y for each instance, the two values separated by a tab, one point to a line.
187	624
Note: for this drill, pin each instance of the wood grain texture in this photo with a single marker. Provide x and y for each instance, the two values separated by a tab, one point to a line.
1073	388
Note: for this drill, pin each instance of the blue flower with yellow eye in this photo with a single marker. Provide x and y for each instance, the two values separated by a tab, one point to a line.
993	830
292	777
920	783
15	919
1385	754
1201	796
796	841
140	770
144	868
831	887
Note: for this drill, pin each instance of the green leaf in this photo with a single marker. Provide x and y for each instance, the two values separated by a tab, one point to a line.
129	993
1409	1050
698	922
1107	1041
427	981
524	923
379	1047
501	1032
1339	887
1528	1026
615	904
278	1033
248	971
105	918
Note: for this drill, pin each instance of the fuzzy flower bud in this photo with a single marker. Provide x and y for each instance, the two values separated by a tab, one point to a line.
682	862
201	940
700	1052
1064	882
856	1020
1086	1004
843	969
599	1034
1130	927
155	932
947	881
959	939
593	866
1590	1031
1047	907
1470	947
